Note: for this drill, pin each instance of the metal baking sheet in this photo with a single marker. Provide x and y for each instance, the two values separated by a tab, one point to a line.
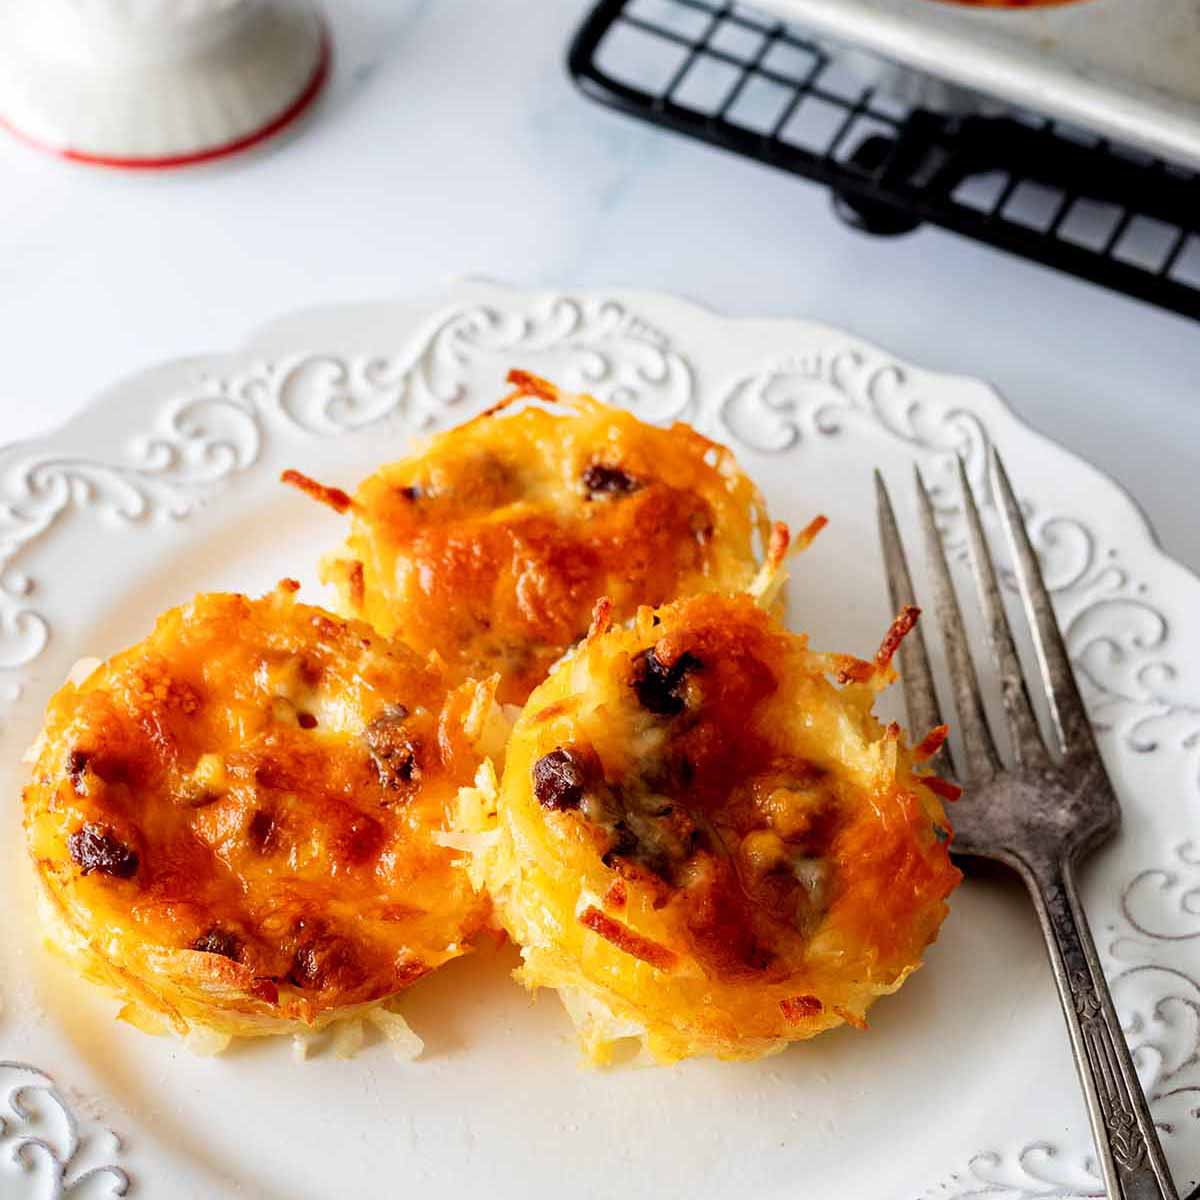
1127	68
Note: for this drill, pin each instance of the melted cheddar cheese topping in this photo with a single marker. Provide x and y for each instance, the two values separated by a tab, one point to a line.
235	821
492	545
704	841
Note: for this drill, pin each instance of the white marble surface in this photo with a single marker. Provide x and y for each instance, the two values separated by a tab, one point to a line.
452	143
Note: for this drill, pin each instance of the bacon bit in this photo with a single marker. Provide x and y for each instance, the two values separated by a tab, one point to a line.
560	778
354	580
899	629
941	787
96	848
221	942
77	762
602	479
660	686
334	497
395	755
932	742
851	1019
625	939
797	1008
616	895
290	586
601	618
807	535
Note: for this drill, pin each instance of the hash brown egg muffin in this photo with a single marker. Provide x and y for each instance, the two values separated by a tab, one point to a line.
235	821
706	840
493	543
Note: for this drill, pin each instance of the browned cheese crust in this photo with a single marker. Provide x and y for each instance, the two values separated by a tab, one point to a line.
703	836
235	820
492	544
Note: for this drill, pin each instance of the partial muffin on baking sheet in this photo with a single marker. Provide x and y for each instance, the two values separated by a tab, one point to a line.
491	544
235	821
704	838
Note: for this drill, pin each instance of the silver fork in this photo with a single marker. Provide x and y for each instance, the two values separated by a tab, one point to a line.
1041	813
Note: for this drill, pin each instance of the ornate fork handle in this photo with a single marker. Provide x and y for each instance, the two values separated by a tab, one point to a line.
1130	1157
1037	808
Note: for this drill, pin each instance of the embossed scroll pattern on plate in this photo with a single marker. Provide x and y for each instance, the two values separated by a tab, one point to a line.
193	443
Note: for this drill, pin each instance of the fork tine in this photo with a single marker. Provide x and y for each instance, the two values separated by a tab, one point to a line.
1026	738
1070	716
979	752
920	696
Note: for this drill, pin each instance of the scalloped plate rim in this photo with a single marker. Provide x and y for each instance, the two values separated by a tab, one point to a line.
467	292
118	392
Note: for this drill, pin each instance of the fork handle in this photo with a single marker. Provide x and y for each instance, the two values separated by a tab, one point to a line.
1131	1158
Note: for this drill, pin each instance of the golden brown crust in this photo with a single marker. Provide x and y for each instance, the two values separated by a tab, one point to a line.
701	834
331	497
492	546
625	939
235	820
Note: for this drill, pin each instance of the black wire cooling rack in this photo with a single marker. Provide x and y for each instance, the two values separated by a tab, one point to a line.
1024	183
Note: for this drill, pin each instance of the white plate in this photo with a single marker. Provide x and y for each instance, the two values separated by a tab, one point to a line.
962	1087
1127	68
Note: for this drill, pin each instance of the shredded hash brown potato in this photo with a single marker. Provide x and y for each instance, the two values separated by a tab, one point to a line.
703	841
235	820
491	546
